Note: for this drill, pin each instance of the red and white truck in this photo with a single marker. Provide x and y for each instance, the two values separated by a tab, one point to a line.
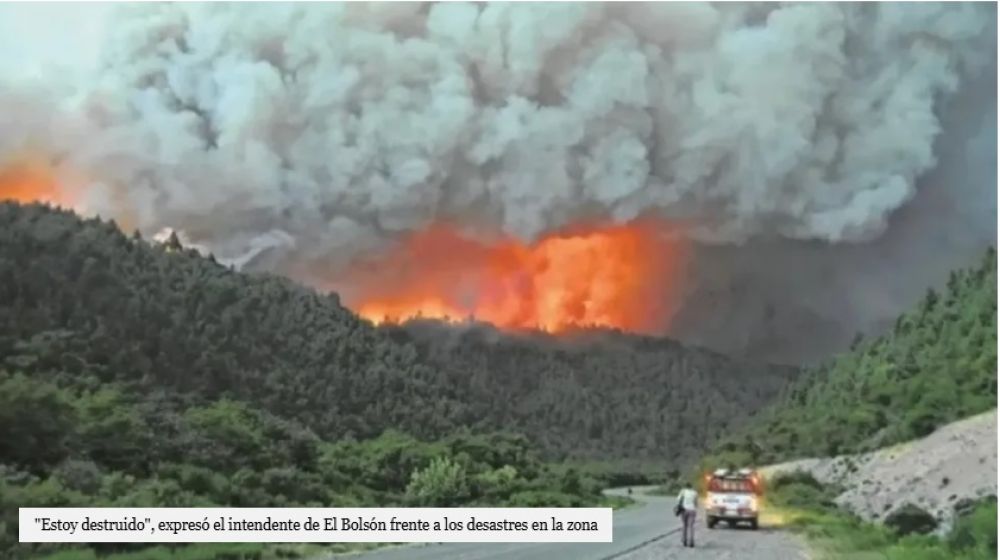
732	496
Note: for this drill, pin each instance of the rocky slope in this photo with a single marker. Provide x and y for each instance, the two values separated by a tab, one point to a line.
939	473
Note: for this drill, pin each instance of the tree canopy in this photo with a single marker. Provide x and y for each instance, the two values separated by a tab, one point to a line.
936	365
83	302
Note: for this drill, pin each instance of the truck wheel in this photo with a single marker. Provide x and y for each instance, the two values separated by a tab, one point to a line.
753	524
711	522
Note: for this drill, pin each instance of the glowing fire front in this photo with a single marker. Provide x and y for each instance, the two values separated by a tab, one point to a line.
617	276
36	179
29	180
621	276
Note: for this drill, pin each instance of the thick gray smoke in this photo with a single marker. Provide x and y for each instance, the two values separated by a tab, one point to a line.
795	300
774	134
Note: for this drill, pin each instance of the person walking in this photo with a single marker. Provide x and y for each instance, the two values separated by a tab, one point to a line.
687	504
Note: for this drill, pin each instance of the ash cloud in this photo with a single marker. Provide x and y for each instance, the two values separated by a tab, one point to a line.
783	137
797	301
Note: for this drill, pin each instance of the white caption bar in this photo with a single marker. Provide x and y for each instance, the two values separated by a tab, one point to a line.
314	525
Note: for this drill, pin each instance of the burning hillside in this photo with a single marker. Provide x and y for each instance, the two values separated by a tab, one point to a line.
615	276
475	159
35	178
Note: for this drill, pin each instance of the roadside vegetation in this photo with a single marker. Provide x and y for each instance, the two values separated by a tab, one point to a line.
797	502
91	444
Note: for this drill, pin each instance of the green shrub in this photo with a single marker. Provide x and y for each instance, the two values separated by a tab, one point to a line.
799	495
910	519
799	477
799	489
37	422
83	476
537	498
497	483
976	531
441	484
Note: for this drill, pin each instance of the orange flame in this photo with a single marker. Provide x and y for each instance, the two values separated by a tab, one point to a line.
30	180
616	276
33	179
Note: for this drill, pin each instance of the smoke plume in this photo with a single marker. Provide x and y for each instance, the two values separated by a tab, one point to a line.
788	142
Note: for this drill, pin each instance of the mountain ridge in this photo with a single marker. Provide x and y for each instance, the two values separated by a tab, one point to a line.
82	298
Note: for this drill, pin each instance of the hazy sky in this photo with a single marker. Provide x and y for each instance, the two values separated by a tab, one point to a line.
37	35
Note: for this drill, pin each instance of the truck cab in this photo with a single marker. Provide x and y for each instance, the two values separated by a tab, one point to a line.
732	496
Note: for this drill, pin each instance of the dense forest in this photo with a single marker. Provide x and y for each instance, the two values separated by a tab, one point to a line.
598	394
937	365
81	300
140	374
100	445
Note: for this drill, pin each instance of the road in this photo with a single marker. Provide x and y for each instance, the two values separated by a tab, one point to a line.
724	544
647	530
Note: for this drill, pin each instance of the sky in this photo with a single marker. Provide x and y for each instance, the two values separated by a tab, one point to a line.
48	36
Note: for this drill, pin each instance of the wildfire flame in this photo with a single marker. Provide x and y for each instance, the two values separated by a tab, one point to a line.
619	276
30	180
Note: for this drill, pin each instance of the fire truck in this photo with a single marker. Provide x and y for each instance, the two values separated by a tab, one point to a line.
732	496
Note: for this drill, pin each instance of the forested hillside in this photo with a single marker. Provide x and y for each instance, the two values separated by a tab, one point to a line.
600	394
937	365
81	300
138	374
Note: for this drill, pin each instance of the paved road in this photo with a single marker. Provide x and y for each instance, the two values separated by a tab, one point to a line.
648	530
724	544
633	526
